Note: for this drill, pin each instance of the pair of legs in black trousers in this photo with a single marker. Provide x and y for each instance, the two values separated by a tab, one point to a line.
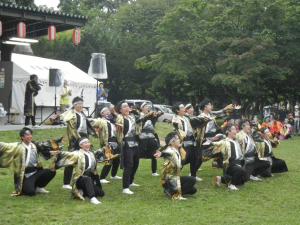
90	185
192	157
40	179
257	167
113	166
187	186
147	148
130	164
31	117
278	165
234	174
27	120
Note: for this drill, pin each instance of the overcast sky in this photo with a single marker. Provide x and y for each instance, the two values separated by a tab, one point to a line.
49	3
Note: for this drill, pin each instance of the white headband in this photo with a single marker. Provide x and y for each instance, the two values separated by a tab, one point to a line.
76	103
123	104
104	109
144	104
187	106
83	141
27	132
173	139
266	131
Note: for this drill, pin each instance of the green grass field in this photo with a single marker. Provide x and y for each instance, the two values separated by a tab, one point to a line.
272	201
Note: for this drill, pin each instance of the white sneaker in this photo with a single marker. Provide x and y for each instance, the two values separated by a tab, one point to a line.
104	181
134	185
41	190
255	178
36	126
217	181
95	201
182	198
155	174
67	186
116	178
232	187
127	191
199	179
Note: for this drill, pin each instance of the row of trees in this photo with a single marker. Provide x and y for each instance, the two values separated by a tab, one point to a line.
184	50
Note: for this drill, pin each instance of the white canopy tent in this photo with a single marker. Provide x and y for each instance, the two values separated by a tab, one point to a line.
25	65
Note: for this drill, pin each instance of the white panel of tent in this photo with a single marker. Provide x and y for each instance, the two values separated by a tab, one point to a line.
25	65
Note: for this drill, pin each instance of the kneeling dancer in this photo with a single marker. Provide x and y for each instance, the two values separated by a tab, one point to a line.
174	185
233	161
85	181
29	176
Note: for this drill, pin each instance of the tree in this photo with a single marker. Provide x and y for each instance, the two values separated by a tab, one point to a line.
233	47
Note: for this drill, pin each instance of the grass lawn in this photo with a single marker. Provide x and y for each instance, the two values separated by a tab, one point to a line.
272	201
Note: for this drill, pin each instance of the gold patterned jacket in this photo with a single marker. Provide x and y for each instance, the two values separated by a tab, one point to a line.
14	154
69	117
120	126
263	146
171	170
241	138
200	130
77	160
103	135
223	147
178	122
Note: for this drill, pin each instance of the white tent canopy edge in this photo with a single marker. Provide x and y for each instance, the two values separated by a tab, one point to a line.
25	65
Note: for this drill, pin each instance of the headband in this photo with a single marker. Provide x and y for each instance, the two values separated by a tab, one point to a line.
83	141
124	104
144	104
173	139
104	109
77	102
266	131
188	106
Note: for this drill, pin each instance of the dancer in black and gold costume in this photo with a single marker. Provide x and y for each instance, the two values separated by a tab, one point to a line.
175	185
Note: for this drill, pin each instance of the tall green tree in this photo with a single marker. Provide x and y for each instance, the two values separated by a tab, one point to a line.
227	50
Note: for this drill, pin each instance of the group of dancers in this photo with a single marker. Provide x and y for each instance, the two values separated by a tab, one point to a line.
126	135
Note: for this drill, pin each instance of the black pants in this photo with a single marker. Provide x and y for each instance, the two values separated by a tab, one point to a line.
68	171
130	164
147	149
200	160
192	157
234	174
32	117
114	168
28	118
187	185
40	179
257	167
90	185
278	165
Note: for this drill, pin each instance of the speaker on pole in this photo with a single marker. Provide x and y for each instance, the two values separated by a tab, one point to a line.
97	67
55	77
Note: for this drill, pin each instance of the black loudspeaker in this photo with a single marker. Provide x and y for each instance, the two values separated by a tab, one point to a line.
55	78
97	64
